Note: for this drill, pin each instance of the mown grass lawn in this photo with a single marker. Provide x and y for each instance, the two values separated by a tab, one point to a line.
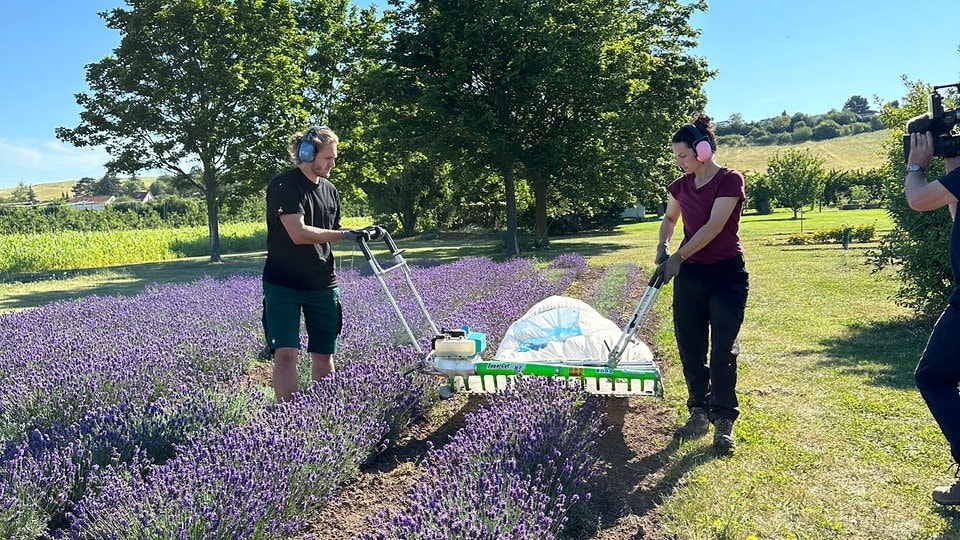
834	440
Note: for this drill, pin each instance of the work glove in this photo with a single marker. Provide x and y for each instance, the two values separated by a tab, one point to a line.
353	235
662	254
671	267
377	232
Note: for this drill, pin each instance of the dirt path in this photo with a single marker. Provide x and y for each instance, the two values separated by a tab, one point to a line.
623	504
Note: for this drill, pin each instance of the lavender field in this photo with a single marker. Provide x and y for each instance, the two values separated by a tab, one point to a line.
139	417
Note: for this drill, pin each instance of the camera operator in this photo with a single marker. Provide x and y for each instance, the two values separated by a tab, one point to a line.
938	372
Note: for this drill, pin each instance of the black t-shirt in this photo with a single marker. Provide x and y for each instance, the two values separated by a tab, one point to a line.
307	267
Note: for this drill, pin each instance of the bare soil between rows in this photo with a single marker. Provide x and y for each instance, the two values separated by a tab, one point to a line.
635	452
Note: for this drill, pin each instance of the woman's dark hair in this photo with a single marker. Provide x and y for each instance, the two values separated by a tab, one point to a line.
703	124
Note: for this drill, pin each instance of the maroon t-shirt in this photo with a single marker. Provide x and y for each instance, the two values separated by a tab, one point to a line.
696	205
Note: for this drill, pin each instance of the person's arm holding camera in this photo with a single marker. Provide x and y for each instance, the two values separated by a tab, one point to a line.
923	195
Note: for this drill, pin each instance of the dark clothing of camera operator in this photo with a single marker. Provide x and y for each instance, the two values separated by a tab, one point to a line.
938	372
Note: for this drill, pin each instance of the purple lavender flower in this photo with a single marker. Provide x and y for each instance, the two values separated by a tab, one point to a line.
131	417
513	471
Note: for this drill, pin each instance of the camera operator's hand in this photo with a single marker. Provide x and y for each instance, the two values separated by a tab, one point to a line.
352	235
377	232
671	267
662	254
921	149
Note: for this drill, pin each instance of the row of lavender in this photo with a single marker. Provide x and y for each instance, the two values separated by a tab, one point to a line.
131	418
532	454
513	471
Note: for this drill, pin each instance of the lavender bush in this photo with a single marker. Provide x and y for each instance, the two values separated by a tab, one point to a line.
262	479
138	407
513	471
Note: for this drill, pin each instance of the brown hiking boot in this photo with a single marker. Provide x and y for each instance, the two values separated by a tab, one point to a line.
698	424
723	435
948	495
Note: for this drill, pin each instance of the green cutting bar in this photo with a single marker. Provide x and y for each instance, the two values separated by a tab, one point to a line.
560	370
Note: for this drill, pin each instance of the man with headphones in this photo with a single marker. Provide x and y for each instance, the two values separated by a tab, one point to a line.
303	220
710	291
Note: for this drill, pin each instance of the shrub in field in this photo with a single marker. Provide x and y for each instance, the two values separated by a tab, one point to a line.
65	359
835	236
96	381
608	293
860	234
513	471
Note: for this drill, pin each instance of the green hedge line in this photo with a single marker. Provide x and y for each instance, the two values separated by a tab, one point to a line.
861	234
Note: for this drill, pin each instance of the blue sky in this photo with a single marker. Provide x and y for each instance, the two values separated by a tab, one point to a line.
772	56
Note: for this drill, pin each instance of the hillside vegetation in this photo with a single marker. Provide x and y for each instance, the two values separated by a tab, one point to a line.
850	153
51	191
47	191
853	152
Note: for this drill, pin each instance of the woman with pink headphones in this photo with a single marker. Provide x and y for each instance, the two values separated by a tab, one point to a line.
710	291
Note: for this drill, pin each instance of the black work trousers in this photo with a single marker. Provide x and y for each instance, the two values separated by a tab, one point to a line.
938	376
708	307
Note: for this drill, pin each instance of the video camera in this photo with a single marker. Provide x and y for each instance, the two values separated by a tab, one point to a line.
939	123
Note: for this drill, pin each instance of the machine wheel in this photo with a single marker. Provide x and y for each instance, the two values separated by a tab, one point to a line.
446	392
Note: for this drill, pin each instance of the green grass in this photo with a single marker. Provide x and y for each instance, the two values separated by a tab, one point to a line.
834	440
31	289
861	151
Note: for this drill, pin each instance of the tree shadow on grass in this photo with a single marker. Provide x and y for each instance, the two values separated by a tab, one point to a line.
883	353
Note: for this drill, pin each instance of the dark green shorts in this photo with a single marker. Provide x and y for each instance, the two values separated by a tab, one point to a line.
322	318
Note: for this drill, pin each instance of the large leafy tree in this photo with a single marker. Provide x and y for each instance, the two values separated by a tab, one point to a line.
917	245
857	104
207	90
556	93
796	178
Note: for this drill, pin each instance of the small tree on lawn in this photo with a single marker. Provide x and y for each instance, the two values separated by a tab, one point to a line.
796	178
759	193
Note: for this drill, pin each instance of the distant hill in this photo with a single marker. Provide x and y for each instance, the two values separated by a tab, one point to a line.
48	191
861	151
51	191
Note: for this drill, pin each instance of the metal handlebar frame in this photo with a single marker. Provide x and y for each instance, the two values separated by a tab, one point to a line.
399	264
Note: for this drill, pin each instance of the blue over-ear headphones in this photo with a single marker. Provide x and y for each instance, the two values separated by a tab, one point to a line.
701	143
307	151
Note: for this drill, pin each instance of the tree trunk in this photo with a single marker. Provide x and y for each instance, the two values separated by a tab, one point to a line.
409	220
213	225
509	184
540	206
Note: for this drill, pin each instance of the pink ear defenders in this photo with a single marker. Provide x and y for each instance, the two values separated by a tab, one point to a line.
701	143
